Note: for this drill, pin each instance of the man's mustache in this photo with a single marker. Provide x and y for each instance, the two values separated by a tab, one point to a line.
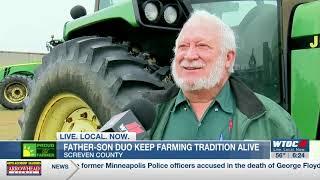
192	64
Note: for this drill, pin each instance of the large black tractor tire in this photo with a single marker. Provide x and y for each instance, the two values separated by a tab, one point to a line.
104	74
13	90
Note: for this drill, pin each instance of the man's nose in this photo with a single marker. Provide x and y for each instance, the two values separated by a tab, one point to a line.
191	54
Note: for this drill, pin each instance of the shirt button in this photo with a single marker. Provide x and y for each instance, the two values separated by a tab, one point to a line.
216	109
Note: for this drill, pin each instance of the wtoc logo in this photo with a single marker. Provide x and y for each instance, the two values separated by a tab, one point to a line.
290	145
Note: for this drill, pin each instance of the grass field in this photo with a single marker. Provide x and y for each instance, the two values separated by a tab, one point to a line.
9	127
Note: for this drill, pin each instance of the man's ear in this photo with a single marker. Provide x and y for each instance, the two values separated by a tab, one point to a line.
231	56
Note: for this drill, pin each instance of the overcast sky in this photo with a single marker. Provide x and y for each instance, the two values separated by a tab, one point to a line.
26	25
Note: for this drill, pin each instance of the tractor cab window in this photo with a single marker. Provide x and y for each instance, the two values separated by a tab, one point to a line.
106	3
255	23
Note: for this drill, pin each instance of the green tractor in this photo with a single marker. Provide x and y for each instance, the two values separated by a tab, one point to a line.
14	84
123	52
15	80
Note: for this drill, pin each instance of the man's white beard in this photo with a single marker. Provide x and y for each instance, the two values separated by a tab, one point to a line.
203	82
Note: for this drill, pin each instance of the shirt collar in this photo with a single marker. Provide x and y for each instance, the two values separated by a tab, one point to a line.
224	99
179	99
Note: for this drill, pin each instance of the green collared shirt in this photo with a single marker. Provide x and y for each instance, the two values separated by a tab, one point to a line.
215	124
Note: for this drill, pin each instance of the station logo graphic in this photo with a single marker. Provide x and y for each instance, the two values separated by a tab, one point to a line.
38	150
23	168
284	145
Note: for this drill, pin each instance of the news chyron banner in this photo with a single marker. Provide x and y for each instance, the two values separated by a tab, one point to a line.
121	156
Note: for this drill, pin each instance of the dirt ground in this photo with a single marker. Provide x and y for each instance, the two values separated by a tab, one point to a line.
9	127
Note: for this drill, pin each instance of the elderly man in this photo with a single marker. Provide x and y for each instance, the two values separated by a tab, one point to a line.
211	104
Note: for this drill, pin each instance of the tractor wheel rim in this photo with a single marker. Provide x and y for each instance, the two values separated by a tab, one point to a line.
65	112
15	92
